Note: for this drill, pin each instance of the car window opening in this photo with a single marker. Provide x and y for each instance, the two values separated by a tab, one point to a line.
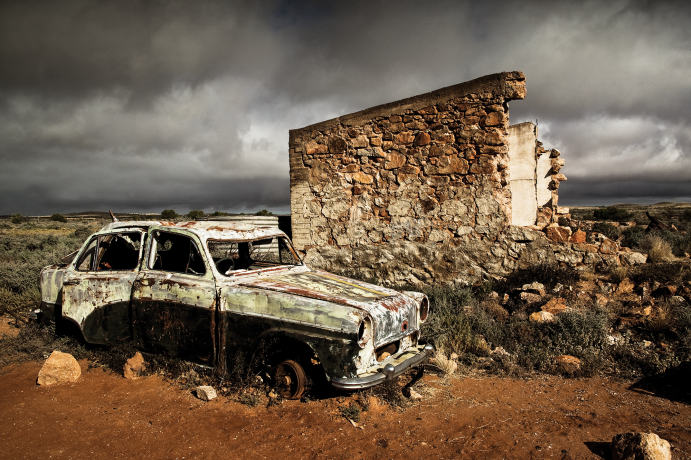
176	253
111	252
236	256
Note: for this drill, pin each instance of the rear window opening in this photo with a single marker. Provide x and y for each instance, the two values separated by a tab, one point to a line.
239	256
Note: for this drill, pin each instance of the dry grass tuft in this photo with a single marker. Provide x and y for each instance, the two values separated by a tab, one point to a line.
618	274
658	249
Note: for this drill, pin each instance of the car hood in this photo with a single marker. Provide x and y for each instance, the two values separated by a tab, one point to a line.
389	309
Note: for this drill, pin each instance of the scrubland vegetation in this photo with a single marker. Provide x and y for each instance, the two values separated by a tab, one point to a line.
481	328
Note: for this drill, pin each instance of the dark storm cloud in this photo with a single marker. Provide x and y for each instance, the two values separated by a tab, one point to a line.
189	104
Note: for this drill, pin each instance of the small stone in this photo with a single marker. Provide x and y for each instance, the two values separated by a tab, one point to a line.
206	393
558	234
272	394
134	367
415	396
59	368
640	446
601	299
609	247
363	178
568	364
535	287
555	305
530	297
625	287
421	139
578	237
633	258
541	317
500	352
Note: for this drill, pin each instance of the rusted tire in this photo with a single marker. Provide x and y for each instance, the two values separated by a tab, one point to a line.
291	380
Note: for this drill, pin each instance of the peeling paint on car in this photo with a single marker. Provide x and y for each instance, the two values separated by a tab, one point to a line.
206	317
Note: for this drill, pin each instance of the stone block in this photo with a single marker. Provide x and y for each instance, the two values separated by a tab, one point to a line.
59	368
609	246
640	446
134	367
421	139
206	393
555	305
568	364
558	234
578	237
633	258
541	317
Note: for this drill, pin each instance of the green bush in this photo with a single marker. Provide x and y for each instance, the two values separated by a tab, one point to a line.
219	214
609	230
195	214
17	219
169	214
548	274
82	233
263	212
612	213
633	236
58	218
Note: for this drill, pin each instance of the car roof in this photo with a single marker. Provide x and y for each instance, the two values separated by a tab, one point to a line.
212	230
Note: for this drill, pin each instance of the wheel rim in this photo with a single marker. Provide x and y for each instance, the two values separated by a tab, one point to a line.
290	379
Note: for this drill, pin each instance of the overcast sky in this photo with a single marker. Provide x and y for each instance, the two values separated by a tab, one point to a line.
144	105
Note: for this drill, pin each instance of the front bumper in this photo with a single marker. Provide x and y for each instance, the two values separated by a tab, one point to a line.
379	374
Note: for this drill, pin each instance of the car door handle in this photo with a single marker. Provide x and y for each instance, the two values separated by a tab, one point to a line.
70	282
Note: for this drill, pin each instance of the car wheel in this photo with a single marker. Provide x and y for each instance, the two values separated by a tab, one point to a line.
291	379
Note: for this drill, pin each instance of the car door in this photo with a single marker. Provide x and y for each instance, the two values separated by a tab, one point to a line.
97	288
174	298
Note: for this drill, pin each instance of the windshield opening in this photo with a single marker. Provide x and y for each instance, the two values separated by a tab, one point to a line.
232	256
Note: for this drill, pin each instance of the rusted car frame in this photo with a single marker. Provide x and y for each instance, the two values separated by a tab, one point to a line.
203	290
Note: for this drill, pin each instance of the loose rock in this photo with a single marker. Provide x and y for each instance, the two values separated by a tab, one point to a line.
640	446
134	367
206	393
59	368
541	317
555	305
568	364
414	395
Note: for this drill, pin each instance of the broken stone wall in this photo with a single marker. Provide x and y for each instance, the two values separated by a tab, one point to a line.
534	178
419	190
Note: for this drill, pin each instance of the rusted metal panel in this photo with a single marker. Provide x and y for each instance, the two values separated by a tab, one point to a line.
50	281
206	229
202	317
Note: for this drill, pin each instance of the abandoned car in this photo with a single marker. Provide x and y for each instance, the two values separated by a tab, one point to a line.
204	291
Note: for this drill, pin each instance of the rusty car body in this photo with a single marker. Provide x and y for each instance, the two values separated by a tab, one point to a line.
201	290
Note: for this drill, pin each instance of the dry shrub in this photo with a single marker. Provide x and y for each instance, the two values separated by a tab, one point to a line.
618	274
496	311
588	274
662	319
658	249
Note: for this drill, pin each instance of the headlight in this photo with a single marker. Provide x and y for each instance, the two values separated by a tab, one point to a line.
424	309
364	333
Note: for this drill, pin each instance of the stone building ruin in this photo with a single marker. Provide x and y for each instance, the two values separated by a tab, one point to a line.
432	188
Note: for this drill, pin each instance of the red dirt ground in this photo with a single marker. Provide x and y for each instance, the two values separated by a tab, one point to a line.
104	416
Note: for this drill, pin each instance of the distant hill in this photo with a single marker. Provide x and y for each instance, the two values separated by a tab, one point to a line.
666	211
